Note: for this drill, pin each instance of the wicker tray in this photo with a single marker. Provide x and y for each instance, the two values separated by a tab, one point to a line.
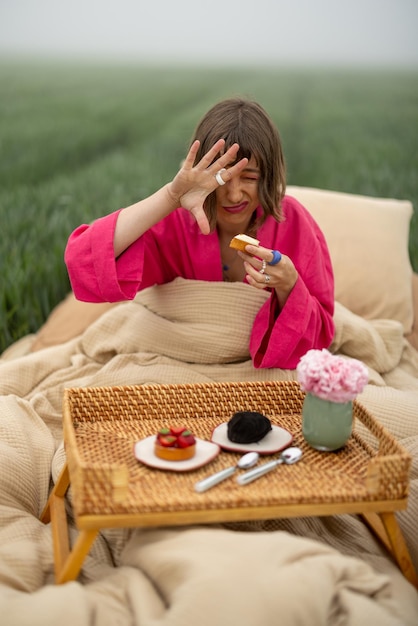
101	425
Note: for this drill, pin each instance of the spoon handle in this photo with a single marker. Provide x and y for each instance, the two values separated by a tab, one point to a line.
211	481
248	477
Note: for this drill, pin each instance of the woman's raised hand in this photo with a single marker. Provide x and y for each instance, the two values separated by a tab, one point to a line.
194	182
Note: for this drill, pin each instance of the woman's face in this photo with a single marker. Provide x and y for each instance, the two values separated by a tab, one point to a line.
237	199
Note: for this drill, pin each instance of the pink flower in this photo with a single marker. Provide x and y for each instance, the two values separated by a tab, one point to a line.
331	377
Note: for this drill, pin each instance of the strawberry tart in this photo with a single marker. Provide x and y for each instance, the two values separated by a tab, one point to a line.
176	443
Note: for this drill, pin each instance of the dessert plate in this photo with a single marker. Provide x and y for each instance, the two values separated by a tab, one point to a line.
206	451
277	439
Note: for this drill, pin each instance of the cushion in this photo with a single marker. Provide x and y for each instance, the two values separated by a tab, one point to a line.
413	335
368	243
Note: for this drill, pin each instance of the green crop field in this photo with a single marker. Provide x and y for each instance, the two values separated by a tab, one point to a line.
80	141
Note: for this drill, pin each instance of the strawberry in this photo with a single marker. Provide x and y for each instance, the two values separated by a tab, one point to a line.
186	439
162	433
177	430
167	441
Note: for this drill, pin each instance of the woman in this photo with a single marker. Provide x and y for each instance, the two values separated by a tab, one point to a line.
232	181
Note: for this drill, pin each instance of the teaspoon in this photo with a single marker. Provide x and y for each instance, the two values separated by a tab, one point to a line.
288	456
246	461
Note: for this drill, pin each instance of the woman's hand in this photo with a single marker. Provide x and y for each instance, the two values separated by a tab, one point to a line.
281	277
189	189
194	182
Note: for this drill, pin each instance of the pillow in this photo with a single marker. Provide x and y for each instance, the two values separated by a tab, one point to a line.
368	242
413	335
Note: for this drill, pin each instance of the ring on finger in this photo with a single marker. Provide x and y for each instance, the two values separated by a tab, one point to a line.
219	178
276	257
263	266
267	278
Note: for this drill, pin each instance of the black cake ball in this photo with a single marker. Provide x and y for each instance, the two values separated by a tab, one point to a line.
248	427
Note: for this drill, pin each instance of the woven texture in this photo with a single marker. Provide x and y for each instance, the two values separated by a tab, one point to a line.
102	424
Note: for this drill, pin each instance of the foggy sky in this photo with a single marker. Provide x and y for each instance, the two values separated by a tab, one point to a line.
368	32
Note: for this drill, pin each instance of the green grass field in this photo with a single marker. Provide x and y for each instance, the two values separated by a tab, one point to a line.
80	141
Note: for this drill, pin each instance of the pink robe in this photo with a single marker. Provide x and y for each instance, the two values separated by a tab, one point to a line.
176	247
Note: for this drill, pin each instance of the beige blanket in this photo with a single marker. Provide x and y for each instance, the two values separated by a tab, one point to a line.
304	571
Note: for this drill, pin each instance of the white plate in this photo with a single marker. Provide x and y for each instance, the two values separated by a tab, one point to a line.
206	451
275	440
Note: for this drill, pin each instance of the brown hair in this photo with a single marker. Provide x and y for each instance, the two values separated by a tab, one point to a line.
245	122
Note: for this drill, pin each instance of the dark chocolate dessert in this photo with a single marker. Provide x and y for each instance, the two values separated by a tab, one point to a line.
248	427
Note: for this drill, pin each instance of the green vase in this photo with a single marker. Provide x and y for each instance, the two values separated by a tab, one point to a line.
326	425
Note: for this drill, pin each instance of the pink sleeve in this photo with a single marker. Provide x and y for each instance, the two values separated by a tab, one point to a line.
95	274
280	337
173	247
80	256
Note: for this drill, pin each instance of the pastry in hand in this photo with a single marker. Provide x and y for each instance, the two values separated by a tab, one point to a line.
248	427
176	443
240	241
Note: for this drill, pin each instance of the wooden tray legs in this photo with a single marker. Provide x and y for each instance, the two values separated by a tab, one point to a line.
67	562
386	527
